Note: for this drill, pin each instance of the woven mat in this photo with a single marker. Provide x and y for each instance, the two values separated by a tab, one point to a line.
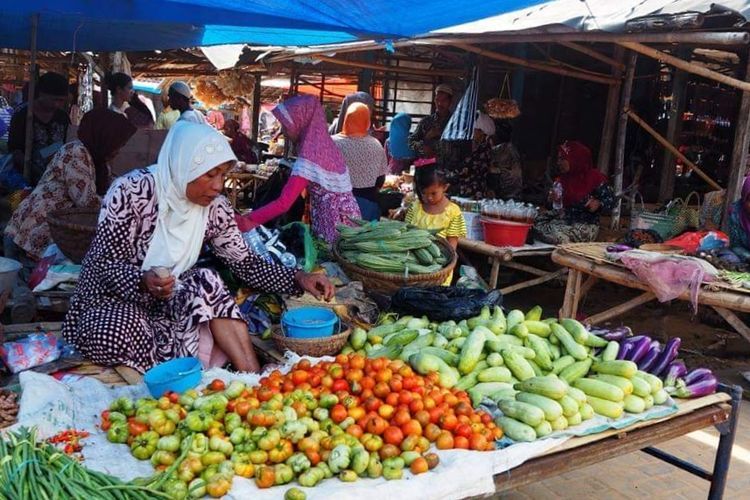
597	252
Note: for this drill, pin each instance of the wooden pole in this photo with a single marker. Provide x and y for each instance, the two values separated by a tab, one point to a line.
686	66
622	130
614	62
256	108
390	69
670	147
591	77
674	125
738	162
29	139
610	115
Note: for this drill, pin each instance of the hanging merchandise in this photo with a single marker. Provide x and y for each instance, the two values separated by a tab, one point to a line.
224	88
503	107
460	126
86	88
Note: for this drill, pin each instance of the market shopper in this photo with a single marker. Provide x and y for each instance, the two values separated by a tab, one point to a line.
585	196
241	144
506	175
363	97
319	168
180	98
426	138
140	300
168	115
471	179
49	127
120	87
138	113
400	155
365	159
76	177
739	223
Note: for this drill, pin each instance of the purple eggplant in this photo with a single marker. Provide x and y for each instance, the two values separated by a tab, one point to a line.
675	371
667	356
702	387
625	349
651	356
640	349
696	375
618	247
616	334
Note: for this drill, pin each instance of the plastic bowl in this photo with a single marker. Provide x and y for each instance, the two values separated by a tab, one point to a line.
8	274
176	375
309	322
504	233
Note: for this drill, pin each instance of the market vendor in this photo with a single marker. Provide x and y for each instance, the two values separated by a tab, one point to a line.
75	178
739	223
168	115
319	168
506	176
400	155
140	300
471	179
241	144
180	98
50	125
363	97
426	138
585	196
365	159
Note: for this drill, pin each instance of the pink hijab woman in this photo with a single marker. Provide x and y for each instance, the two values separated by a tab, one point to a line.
319	168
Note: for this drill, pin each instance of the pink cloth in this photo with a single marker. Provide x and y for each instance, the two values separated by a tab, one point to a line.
209	353
292	189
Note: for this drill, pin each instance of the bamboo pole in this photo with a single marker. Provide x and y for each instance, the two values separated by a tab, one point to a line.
29	139
614	62
607	80
670	147
621	309
390	69
256	107
622	130
610	115
686	66
738	162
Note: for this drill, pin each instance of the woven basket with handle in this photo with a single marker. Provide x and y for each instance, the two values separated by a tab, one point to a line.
390	283
73	231
319	346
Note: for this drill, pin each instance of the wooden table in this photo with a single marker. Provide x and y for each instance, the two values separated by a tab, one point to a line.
720	410
507	257
724	301
241	181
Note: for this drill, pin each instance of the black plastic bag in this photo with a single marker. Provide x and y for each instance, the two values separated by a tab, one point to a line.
442	303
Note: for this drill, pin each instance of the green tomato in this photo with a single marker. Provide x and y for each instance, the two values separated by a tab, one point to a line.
235	389
348	476
168	443
360	460
283	474
238	435
390	473
123	405
299	463
339	458
295	494
198	421
327	401
176	489
161	457
213	458
232	421
118	433
222	445
409	457
394	463
144	445
374	466
116	416
197	488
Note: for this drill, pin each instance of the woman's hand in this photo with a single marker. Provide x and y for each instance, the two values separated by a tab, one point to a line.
593	205
317	284
244	223
161	288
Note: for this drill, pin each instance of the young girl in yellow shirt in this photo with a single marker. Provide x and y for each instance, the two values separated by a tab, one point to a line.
433	209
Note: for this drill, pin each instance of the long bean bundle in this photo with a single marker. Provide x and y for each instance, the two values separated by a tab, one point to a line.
35	470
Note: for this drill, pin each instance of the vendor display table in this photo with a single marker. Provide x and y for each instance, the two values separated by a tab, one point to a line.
589	260
508	256
720	410
242	181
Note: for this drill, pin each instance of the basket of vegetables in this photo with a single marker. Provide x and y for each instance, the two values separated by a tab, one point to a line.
388	255
315	346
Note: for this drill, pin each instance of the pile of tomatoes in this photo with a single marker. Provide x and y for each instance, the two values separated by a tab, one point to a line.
386	398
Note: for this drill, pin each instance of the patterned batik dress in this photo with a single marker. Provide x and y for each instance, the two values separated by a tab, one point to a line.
112	321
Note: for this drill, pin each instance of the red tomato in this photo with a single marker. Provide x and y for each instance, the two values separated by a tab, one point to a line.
217	385
463	430
393	435
340	385
338	413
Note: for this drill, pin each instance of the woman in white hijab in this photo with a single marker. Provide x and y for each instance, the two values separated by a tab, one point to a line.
140	300
470	178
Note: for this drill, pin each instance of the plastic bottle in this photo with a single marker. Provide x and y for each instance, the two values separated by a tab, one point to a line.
557	195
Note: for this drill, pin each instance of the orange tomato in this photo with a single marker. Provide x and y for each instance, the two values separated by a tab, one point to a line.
384	375
299	376
378	364
338	413
477	442
461	442
355	430
389	451
419	465
386	411
393	435
432	431
308	444
444	441
342	359
354	375
412	428
304	364
376	425
372	404
451	400
405	398
429	403
416	405
315	380
381	390
448	421
288	386
313	456
422	417
396	384
401	417
357	361
326	381
405	371
462	408
423	444
463	430
336	371
409	443
340	385
392	398
367	382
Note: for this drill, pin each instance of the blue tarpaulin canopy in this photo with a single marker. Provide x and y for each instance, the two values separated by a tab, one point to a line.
79	25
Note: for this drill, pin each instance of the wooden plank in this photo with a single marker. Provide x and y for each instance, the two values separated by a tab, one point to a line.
610	115
48	326
131	376
614	62
536	281
735	301
576	294
494	272
526	268
588	285
540	66
391	69
686	66
733	320
267	349
674	126
613	312
33	70
671	148
738	161
567	307
622	131
625	442
503	253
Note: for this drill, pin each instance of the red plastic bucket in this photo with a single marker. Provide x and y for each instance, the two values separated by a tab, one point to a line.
504	233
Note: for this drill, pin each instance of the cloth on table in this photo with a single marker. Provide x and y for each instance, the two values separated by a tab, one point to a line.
551	229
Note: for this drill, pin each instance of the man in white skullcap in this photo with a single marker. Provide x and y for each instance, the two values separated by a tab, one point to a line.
180	96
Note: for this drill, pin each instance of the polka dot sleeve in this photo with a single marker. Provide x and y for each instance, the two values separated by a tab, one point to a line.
257	273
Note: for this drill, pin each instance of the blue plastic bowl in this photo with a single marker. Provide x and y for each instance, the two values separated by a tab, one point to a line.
176	375
309	322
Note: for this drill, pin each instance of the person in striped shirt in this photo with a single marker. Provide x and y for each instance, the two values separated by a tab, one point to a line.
434	210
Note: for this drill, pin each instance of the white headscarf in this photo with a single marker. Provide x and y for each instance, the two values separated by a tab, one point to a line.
189	151
485	124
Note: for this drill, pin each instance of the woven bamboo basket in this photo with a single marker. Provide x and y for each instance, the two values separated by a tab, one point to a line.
73	231
390	283
319	346
663	248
